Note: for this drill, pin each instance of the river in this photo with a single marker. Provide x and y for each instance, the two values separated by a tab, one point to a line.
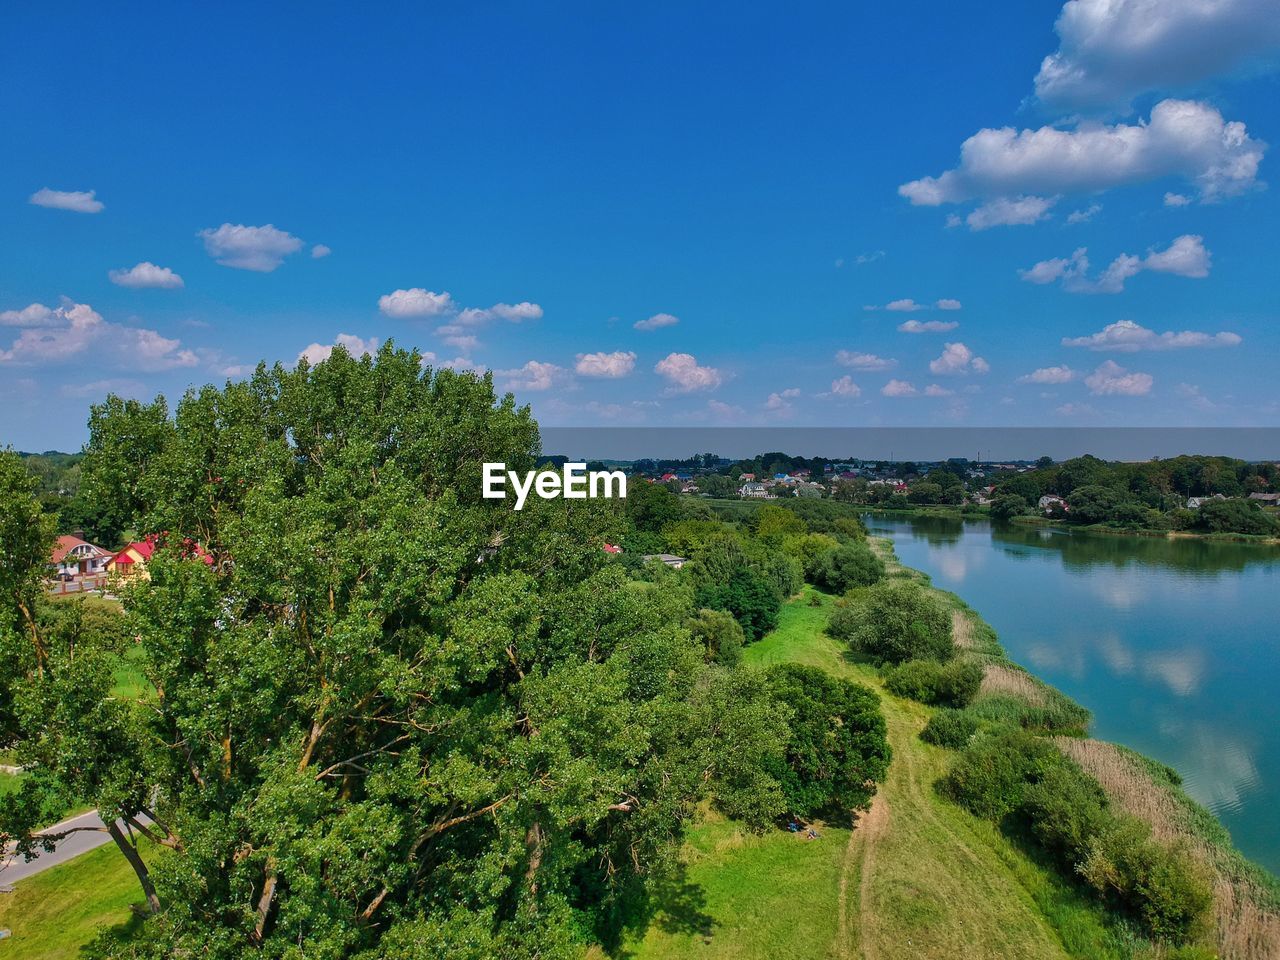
1173	644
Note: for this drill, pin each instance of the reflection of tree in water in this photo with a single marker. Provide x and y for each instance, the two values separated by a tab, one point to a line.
935	531
1081	550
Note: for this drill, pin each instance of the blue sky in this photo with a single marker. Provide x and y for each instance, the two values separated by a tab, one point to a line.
565	171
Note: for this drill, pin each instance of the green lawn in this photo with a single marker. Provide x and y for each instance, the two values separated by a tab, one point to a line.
55	913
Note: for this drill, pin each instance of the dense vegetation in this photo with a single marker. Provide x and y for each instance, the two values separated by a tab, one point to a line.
381	714
1150	496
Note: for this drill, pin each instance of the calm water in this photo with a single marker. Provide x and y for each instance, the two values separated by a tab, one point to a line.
1174	645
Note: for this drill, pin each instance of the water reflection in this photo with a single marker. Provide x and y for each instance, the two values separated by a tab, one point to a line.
1173	644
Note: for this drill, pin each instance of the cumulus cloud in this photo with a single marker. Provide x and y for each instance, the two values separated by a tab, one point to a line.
1084	215
35	315
869	257
511	312
1128	337
780	402
77	201
1112	379
261	249
947	303
611	365
1186	256
685	375
898	388
146	275
956	358
1113	50
73	330
1183	138
319	251
656	322
534	375
927	326
936	390
1010	212
905	305
845	387
416	302
1049	375
356	346
863	361
1176	200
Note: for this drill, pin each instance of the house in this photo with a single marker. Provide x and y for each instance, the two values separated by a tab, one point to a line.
753	490
1049	501
74	557
132	560
670	559
747	477
1266	498
612	548
1195	503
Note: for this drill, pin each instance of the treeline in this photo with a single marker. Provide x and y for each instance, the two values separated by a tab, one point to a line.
385	717
1147	496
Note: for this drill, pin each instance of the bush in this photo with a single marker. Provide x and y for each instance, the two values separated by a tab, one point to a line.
1235	516
952	729
749	595
893	621
954	683
1006	506
990	776
720	634
836	743
851	565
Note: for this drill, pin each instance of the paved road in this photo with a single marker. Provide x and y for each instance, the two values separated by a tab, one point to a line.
13	869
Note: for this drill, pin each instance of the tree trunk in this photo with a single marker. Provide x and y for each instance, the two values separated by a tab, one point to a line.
135	860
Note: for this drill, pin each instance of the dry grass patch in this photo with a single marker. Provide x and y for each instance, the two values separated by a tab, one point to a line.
961	630
1247	926
1006	681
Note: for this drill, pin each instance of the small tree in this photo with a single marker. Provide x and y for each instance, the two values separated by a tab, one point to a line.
837	749
893	621
848	566
720	634
1006	506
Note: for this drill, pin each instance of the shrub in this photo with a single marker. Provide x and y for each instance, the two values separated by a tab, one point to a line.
720	634
990	776
1235	516
1006	506
749	595
851	565
949	728
893	621
954	683
836	741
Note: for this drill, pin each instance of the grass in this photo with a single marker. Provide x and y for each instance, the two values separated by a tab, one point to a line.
55	913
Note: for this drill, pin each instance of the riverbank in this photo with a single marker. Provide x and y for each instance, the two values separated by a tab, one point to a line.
1105	530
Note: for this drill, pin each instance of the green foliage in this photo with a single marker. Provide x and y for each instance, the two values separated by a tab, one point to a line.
990	776
850	565
1006	506
1236	516
949	728
749	595
125	439
720	635
651	506
893	621
836	746
954	683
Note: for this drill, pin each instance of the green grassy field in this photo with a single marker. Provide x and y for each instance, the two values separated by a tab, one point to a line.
55	913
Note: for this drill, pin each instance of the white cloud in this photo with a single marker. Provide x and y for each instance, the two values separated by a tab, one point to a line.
870	257
1128	337
1084	215
935	390
863	361
356	346
1185	257
98	389
845	387
461	364
319	251
611	365
1049	375
927	326
416	302
684	374
780	402
511	312
77	201
1183	138
261	249
35	315
956	358
906	305
1112	379
1113	50
947	303
1176	200
72	330
146	275
656	322
1191	393
1010	212
534	375
898	388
